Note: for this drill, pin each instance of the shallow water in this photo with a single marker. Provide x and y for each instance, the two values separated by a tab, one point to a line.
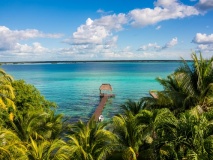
75	86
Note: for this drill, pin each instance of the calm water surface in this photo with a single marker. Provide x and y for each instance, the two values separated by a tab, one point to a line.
75	86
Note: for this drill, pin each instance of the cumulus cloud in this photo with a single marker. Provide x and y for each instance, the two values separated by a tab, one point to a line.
203	39
156	47
171	43
26	52
164	10
93	49
90	33
205	5
95	37
35	48
98	30
111	42
205	47
9	39
204	42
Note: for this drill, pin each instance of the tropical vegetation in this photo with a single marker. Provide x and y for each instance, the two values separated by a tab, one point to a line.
177	125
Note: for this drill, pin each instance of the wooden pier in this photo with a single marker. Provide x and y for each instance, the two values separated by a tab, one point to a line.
100	108
104	97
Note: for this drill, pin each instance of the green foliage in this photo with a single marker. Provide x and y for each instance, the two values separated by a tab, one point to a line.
90	141
6	92
11	147
188	86
29	98
208	144
48	150
131	106
27	120
129	131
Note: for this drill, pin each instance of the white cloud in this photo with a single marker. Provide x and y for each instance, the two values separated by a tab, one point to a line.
9	39
111	42
203	39
171	43
156	47
205	4
90	33
204	42
95	37
110	50
35	48
205	47
95	50
25	52
164	10
165	3
98	30
149	46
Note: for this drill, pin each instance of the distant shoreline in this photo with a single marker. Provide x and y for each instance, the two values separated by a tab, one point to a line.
68	62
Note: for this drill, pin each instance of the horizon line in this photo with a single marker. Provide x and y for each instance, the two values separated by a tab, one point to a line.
85	61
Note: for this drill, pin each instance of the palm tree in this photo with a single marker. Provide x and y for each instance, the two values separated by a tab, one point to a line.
6	91
29	124
34	116
208	145
197	82
131	106
48	150
159	124
5	77
188	86
191	137
130	134
91	141
51	126
11	147
191	132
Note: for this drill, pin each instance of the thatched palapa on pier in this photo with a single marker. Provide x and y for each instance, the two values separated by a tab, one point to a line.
105	87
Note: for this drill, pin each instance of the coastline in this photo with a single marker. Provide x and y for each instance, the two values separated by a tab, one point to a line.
93	61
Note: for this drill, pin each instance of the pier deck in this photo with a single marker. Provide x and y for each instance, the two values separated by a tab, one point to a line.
99	109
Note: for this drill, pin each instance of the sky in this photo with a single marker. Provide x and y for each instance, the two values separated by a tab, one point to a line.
69	30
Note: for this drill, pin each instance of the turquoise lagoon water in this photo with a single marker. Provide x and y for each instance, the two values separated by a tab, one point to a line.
75	86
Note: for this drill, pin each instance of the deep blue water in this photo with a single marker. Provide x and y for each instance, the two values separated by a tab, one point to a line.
75	86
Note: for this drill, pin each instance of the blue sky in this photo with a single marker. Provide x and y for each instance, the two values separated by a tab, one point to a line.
42	30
